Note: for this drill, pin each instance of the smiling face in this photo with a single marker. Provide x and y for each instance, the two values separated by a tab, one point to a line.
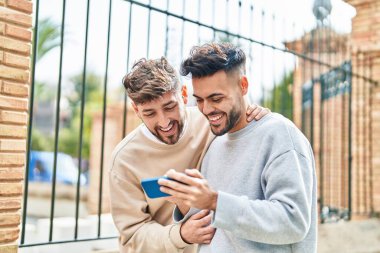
220	98
164	116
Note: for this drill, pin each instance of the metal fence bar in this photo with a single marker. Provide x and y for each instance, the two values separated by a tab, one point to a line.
283	83
167	28
227	18
127	69
213	18
350	147
262	59
65	241
275	104
370	90
228	33
239	23
83	102
251	35
312	90
57	122
183	28
364	139
148	30
104	119
304	49
199	26
274	64
30	124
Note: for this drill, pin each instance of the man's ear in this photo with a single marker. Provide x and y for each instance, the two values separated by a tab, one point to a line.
244	85
184	94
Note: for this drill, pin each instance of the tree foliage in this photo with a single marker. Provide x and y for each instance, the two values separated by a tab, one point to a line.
280	98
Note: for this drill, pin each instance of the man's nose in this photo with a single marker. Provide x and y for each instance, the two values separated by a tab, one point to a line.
207	108
163	121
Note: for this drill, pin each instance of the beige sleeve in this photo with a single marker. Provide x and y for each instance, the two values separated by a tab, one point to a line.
138	231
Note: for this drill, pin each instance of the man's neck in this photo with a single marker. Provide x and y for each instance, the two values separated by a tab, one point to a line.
242	122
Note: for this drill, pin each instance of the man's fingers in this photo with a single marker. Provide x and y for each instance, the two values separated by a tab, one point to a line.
262	113
206	220
181	177
199	215
194	173
174	193
208	231
251	108
173	185
255	111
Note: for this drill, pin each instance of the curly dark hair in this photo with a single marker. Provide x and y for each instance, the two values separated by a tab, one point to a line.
150	79
209	58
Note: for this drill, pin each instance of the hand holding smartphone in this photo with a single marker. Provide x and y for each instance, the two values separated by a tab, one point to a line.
152	188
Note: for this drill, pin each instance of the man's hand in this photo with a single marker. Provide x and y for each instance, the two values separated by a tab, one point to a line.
191	188
197	228
256	112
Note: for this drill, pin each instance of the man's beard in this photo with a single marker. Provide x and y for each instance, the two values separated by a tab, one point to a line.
232	119
171	139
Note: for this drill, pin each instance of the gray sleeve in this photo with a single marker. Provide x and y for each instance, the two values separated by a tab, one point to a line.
178	217
284	216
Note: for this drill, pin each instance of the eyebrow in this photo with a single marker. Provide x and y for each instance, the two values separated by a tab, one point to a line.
210	96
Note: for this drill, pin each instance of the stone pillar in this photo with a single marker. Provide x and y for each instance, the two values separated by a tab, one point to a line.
366	108
15	50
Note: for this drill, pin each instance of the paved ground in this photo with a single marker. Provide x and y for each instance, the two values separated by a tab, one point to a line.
350	237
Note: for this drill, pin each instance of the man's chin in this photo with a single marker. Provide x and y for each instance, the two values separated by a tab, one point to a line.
170	140
218	131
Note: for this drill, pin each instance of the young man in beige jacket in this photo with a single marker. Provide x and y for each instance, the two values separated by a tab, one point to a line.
172	136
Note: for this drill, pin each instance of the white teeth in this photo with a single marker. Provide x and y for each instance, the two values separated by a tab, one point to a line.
168	128
214	118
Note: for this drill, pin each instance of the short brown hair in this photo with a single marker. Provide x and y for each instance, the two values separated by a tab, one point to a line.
209	58
150	79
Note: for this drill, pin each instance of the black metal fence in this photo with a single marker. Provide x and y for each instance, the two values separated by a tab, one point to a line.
281	59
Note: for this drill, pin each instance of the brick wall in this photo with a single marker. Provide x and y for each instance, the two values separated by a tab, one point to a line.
15	49
330	143
366	105
364	53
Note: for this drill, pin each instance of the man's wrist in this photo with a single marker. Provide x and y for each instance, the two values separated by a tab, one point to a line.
176	237
180	233
214	200
183	209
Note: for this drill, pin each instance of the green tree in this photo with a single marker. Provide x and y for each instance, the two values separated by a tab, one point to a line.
69	136
49	34
48	39
280	99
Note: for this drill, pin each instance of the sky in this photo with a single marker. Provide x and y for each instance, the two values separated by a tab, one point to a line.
265	66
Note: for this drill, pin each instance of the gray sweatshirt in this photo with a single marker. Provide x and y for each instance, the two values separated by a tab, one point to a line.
266	183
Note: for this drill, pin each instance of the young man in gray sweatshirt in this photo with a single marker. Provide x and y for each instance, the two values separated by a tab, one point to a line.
258	178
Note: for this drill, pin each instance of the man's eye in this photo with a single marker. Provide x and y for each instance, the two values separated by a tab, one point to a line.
170	108
149	114
216	100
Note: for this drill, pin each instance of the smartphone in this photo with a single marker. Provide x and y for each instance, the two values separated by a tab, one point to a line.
152	188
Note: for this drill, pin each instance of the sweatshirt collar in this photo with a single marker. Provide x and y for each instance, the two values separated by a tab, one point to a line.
248	128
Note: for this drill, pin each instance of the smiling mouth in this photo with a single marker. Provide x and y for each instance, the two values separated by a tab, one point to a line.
215	119
171	125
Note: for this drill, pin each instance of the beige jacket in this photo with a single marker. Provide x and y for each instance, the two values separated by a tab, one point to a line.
145	225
